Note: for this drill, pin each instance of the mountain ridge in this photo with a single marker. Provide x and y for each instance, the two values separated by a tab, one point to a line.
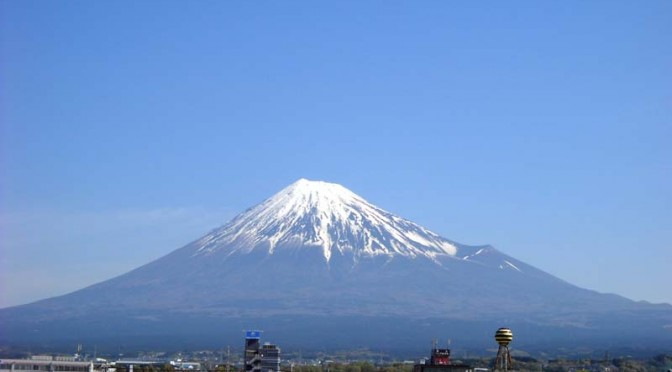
316	250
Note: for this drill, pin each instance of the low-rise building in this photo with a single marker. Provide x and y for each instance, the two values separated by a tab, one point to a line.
48	365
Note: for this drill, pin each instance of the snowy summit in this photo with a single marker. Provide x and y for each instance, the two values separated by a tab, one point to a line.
325	216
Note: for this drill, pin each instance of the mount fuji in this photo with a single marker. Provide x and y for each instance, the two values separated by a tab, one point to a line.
318	265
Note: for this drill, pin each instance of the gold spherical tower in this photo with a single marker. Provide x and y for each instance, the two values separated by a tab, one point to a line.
503	336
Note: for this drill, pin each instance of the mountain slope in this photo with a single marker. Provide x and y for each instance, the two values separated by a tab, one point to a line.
316	257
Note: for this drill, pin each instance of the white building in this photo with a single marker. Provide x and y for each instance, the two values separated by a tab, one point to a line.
48	365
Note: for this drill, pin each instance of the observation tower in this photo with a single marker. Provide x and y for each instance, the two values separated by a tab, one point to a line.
503	336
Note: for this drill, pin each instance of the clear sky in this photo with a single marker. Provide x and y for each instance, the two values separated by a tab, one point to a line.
129	128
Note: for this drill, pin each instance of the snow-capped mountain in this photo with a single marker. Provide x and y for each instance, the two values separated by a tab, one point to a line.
315	258
328	217
333	220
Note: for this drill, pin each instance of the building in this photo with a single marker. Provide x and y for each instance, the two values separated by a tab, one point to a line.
440	362
270	358
48	365
252	356
131	365
440	357
258	358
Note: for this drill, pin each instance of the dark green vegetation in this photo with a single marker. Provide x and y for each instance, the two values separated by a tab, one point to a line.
367	360
626	364
659	363
356	367
655	364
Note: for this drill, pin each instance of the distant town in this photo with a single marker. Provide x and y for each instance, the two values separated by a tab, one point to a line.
258	356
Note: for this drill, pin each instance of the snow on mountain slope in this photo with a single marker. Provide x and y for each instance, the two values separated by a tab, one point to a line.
328	217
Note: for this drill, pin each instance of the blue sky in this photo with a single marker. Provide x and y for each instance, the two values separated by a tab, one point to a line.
128	129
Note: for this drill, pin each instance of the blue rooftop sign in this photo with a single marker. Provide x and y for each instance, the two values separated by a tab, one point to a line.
252	334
